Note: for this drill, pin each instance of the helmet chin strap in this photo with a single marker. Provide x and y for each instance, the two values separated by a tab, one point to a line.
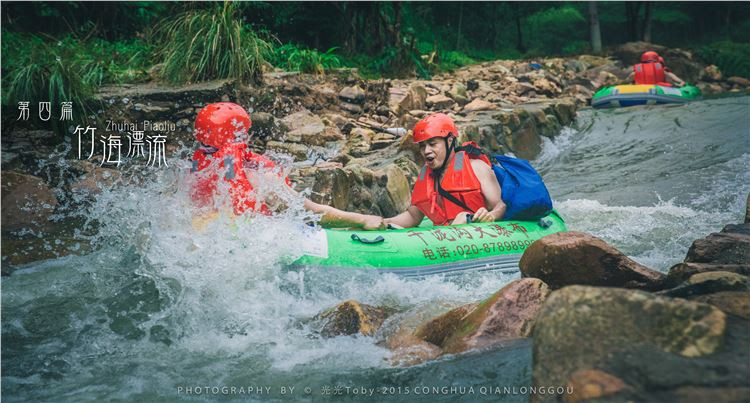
448	149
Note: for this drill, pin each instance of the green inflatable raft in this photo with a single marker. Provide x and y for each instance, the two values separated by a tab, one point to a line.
426	250
630	95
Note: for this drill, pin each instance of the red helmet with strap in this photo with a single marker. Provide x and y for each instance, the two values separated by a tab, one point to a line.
435	125
649	56
221	123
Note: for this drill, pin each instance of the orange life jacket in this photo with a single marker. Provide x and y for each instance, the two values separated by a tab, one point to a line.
650	73
236	162
458	180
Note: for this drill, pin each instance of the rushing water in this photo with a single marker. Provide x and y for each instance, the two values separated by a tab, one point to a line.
161	307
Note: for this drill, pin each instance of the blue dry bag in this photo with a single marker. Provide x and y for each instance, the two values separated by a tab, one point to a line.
523	189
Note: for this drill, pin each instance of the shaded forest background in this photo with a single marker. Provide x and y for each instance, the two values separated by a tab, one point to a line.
65	50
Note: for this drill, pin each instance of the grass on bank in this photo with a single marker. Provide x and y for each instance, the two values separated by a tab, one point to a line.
204	44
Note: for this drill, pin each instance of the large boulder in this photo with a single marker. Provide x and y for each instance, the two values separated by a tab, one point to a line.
414	97
458	93
707	283
353	94
359	142
568	258
302	124
439	101
681	272
721	248
735	303
398	188
509	313
478	105
351	317
27	201
582	328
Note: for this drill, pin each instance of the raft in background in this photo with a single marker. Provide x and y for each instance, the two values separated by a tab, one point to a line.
426	250
632	94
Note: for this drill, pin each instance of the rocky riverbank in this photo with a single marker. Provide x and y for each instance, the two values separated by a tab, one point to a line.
595	331
348	138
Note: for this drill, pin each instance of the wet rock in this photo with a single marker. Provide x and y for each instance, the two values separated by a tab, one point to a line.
408	350
95	180
351	108
414	97
458	93
27	201
681	272
382	140
439	329
302	123
711	73
707	283
565	110
720	248
264	124
590	384
359	142
353	94
478	105
509	313
747	210
735	303
741	81
568	258
398	188
547	87
332	186
439	101
614	320
351	317
298	151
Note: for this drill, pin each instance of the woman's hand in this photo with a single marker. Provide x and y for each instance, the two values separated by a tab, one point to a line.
460	218
373	223
482	215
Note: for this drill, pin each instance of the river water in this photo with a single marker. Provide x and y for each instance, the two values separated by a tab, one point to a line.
162	312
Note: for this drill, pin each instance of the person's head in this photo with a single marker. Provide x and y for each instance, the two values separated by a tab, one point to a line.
222	123
436	135
650	57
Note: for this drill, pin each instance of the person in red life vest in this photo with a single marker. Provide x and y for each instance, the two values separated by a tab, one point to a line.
454	186
223	131
651	70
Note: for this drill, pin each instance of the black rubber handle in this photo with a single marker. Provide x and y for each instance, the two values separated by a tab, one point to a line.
379	239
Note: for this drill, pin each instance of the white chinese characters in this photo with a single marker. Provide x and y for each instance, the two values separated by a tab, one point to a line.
112	146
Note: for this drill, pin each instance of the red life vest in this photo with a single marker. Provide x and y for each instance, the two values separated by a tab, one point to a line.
650	73
459	180
236	162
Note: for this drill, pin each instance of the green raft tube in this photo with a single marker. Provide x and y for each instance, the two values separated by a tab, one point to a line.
630	95
427	250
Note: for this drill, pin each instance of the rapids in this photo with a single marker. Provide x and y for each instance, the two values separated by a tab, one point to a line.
159	307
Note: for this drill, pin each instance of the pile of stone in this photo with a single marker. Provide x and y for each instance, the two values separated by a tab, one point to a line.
602	325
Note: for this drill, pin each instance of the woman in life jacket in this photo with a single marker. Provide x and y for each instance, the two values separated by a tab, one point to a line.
224	161
455	185
651	70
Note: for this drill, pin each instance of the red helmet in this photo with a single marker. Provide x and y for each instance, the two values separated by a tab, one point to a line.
649	56
435	125
221	123
661	60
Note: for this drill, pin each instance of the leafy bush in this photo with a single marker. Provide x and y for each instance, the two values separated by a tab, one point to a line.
733	59
293	57
205	44
61	71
